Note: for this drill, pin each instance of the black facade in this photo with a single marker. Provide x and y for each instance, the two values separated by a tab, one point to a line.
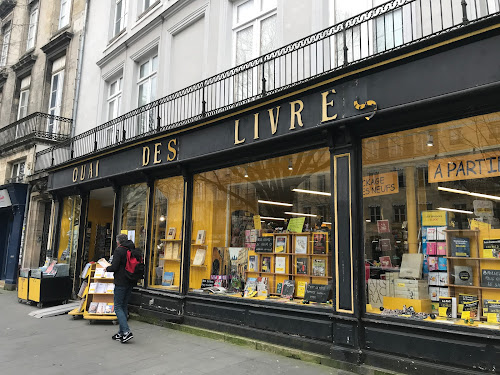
441	79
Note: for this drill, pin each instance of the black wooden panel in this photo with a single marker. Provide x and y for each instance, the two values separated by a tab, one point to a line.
345	334
344	262
451	350
294	325
210	310
162	304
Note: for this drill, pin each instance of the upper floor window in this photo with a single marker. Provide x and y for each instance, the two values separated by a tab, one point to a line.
145	4
115	98
56	93
148	71
17	171
389	30
254	26
23	98
33	22
5	45
120	16
64	13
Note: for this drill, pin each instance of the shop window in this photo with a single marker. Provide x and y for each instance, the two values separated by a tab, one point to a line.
238	209
64	13
166	242
69	231
120	19
433	259
32	26
146	85
254	30
133	213
5	44
399	213
389	30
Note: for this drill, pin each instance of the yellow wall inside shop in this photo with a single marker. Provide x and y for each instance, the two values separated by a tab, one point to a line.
488	264
97	215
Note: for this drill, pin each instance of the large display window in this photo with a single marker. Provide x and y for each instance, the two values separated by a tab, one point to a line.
431	205
262	230
134	205
166	241
69	230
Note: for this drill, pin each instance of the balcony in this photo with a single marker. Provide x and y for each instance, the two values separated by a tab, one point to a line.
18	179
6	7
372	35
37	127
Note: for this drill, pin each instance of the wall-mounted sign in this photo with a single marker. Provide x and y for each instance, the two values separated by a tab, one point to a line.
4	198
465	167
380	184
434	218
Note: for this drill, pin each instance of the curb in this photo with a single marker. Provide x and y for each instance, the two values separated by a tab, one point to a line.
266	347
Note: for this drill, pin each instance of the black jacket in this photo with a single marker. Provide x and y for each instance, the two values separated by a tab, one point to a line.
119	263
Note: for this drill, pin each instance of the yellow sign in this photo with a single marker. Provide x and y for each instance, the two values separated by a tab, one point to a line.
465	314
256	222
380	184
434	218
466	167
296	224
491	318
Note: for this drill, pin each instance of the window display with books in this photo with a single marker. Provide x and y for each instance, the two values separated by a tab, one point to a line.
262	230
166	239
432	224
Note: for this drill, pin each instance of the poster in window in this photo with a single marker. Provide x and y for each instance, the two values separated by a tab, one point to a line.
383	226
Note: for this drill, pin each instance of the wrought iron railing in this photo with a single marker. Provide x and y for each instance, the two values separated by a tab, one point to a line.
387	27
37	125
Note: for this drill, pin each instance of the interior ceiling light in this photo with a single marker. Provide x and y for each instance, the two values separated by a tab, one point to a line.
275	203
327	223
162	218
272	218
430	141
246	173
465	192
312	192
300	214
290	166
454	210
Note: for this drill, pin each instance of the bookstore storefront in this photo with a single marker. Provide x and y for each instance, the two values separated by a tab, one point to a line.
367	230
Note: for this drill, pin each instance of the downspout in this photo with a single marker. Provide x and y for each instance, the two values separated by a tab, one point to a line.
79	70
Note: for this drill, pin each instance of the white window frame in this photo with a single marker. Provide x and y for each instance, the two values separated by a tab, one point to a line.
32	27
22	110
114	104
55	110
16	168
253	76
145	4
389	27
120	19
5	45
146	117
64	13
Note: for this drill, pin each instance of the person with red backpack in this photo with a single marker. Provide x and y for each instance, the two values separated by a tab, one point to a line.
128	268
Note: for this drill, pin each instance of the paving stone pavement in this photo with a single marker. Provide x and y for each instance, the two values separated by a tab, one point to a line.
61	345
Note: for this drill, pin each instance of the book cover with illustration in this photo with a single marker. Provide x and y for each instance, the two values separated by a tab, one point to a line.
301	289
279	266
448	307
463	275
319	243
319	267
168	278
93	307
266	264
250	287
171	233
280	244
288	289
301	244
302	266
199	258
252	263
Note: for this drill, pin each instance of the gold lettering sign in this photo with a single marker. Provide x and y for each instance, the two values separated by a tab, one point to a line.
86	171
466	167
380	184
158	148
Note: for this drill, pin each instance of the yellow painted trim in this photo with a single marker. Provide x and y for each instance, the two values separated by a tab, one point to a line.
409	54
337	308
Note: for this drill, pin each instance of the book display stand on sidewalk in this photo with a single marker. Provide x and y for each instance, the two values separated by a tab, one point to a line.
97	293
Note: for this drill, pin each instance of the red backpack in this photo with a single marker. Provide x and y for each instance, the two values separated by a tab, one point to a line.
134	269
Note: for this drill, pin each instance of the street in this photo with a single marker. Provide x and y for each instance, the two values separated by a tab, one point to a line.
61	345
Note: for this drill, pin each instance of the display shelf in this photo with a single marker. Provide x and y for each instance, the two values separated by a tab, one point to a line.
106	298
170	260
472	287
172	240
201	266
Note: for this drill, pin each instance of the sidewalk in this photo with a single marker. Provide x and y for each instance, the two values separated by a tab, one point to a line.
60	345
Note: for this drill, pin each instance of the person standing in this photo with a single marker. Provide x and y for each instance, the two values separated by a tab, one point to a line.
123	286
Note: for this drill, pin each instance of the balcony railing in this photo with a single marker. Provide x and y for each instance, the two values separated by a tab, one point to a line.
38	125
17	179
390	26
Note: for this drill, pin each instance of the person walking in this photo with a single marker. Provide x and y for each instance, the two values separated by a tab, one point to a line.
123	286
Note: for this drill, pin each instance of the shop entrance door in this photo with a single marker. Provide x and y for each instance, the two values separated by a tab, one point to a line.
6	224
97	241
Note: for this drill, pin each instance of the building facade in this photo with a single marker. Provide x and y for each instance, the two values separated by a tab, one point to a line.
313	175
38	62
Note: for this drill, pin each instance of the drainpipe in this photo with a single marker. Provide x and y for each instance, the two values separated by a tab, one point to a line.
79	69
